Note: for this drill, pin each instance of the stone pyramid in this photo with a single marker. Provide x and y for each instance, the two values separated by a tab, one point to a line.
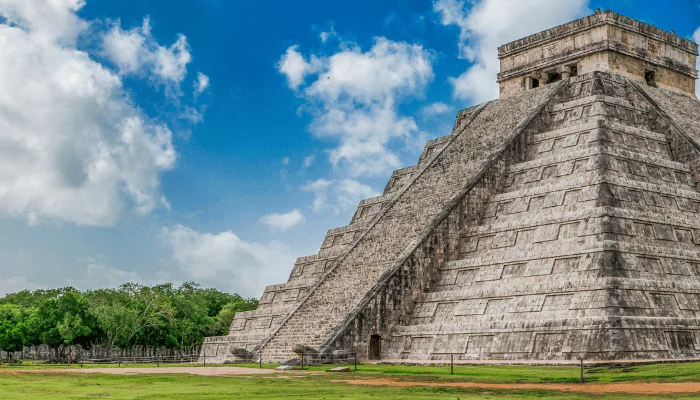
560	221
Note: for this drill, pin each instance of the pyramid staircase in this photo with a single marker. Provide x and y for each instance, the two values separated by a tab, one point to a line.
250	328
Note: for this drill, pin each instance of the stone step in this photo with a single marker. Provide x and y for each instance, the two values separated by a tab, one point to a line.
599	150
598	123
597	98
597	137
587	180
683	181
587	216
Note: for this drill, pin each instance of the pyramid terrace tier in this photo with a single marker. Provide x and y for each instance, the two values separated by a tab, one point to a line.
607	338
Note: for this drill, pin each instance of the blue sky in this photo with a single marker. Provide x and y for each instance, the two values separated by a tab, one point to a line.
217	140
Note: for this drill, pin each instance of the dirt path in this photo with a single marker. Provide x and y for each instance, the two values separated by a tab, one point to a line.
597	388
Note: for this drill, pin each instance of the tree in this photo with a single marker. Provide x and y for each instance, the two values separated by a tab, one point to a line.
64	320
228	312
163	316
125	313
13	331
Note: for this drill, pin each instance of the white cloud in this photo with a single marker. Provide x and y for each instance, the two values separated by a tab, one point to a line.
484	25
324	36
201	84
696	38
73	146
338	195
227	261
293	65
192	115
354	99
285	160
435	109
99	276
14	284
48	20
283	222
309	160
136	52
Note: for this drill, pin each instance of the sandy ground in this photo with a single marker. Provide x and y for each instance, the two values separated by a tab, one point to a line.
596	388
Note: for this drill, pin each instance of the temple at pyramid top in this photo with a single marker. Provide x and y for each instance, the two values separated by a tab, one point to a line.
606	42
560	221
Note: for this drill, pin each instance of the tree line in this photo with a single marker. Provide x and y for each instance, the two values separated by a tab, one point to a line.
162	317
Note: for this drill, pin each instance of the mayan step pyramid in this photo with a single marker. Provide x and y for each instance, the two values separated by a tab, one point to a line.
560	221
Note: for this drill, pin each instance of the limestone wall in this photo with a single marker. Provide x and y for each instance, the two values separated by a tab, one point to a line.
592	249
606	42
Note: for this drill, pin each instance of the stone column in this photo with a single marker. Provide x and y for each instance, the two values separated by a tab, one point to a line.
565	72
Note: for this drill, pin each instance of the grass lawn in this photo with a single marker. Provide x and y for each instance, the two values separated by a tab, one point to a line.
672	372
66	386
54	383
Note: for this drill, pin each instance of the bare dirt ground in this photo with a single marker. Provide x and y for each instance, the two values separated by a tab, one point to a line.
594	388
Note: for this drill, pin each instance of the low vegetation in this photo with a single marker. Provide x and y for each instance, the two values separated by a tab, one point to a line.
163	316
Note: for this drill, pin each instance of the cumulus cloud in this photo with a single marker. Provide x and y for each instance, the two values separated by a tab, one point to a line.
309	160
435	109
486	24
354	99
14	284
283	222
325	36
73	146
201	84
49	20
136	52
338	195
99	276
295	67
225	259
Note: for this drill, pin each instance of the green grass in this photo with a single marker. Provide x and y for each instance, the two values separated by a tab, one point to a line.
672	372
67	386
51	367
57	385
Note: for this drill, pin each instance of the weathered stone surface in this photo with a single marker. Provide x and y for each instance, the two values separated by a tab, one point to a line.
339	369
300	349
552	224
604	41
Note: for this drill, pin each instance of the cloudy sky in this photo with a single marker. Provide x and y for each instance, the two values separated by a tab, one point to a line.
217	140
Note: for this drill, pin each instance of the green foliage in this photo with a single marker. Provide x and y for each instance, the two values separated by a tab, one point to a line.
62	318
13	330
162	316
318	386
225	316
